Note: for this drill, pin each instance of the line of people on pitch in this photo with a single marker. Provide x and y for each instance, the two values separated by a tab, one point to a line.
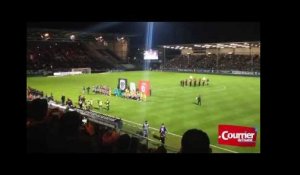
135	95
98	89
191	82
88	104
84	104
130	94
68	103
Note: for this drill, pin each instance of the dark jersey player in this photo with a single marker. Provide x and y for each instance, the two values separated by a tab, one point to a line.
163	132
199	100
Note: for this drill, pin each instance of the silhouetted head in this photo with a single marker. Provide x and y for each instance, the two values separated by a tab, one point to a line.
70	123
195	141
123	143
38	109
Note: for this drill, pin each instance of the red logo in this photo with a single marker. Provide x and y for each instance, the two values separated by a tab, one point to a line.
237	135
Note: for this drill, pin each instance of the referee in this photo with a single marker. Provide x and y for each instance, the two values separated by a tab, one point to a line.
199	100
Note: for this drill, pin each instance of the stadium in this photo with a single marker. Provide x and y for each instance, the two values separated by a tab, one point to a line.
97	91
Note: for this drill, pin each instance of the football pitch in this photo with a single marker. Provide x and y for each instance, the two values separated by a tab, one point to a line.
232	100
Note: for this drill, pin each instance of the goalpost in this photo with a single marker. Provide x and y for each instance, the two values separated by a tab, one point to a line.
86	70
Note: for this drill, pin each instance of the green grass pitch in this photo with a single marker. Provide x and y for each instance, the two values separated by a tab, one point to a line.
227	100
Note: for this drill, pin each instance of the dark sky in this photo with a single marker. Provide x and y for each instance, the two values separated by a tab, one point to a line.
168	32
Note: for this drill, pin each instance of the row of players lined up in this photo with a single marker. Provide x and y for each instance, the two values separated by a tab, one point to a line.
85	104
88	105
135	95
98	89
105	90
193	81
82	102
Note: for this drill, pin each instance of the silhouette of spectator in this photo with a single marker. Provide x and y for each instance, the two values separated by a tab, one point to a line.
71	121
72	139
161	149
38	109
36	127
195	141
134	144
123	144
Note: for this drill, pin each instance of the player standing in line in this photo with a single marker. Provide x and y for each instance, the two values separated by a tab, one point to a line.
88	89
100	104
107	105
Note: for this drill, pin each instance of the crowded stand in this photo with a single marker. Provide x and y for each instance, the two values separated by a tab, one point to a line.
61	56
210	62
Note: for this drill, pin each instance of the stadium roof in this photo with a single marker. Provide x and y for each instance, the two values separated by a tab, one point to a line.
245	44
34	34
164	32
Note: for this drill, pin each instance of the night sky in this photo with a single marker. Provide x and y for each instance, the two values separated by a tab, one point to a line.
167	32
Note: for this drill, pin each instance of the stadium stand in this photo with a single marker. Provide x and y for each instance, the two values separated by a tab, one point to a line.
63	55
57	50
225	62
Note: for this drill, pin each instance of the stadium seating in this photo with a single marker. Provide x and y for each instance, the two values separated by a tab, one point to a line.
225	62
62	55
